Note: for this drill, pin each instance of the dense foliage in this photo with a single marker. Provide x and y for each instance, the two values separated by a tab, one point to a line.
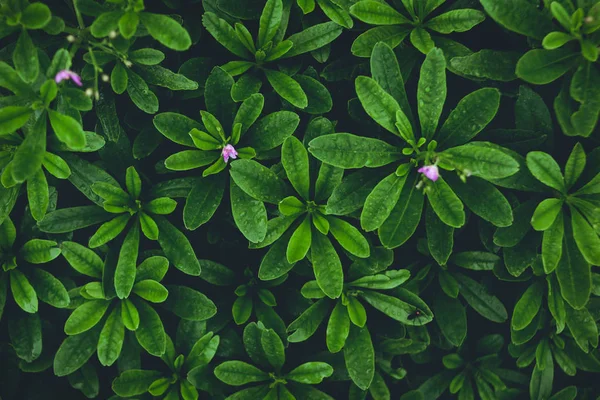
299	199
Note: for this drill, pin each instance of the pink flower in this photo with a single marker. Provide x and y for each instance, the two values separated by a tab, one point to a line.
430	171
229	152
65	74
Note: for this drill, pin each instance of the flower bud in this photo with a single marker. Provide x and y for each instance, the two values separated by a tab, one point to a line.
128	63
71	38
112	34
105	78
89	92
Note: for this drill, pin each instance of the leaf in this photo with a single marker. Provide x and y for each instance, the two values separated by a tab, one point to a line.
319	98
326	265
300	242
440	237
586	238
422	40
345	150
128	24
481	161
310	373
519	16
381	201
456	21
451	317
552	244
111	338
545	214
25	333
258	181
224	34
238	373
126	266
431	93
166	31
189	304
69	219
67	129
49	289
446	203
405	217
488	64
527	307
177	247
202	201
36	16
546	170
307	323
151	332
119	78
160	76
25	58
287	88
478	297
134	382
13	118
380	105
250	215
75	351
359	357
338	328
377	13
273	348
583	328
22	291
585	119
272	130
294	159
313	38
86	316
391	35
350	238
471	115
140	93
176	127
544	66
575	165
540	385
270	20
350	194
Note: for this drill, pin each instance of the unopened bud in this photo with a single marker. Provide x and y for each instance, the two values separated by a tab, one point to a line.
105	78
89	92
97	96
112	34
71	38
589	19
128	63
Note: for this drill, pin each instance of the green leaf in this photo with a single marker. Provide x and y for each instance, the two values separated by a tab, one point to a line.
380	105
356	311
381	201
35	16
327	265
38	195
405	217
134	382
422	40
86	316
583	328
130	315
554	40
270	20
540	385
126	266
299	242
67	130
585	119
519	16
471	115
49	289
432	90
455	21
440	237
238	373
377	13
328	179
552	244
140	93
359	357
224	34
160	76
488	64
190	159
26	336
119	78
481	161
75	351
56	166
545	214
105	23
22	291
391	35
350	238
338	328
13	118
39	251
451	317
294	158
287	88
345	150
250	215
544	66
189	304
527	307
109	230
586	238
272	130
151	332
273	348
203	200
166	31
25	58
111	338
307	323
350	194
70	219
546	170
575	165
146	56
176	127
313	38
128	24
446	203
150	290
177	247
310	373
488	306
258	181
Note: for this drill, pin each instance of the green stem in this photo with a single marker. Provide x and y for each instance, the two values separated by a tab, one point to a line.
78	15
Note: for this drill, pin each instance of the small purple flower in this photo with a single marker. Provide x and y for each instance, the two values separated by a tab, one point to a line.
229	152
430	171
65	74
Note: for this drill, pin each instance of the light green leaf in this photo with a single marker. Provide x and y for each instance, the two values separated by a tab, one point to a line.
431	94
541	66
86	316
166	31
377	13
327	265
546	170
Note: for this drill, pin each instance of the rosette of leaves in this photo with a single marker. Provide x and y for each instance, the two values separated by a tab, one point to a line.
266	350
28	285
186	372
414	21
346	326
475	371
253	293
261	56
253	137
577	106
395	203
136	210
336	10
305	221
130	20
